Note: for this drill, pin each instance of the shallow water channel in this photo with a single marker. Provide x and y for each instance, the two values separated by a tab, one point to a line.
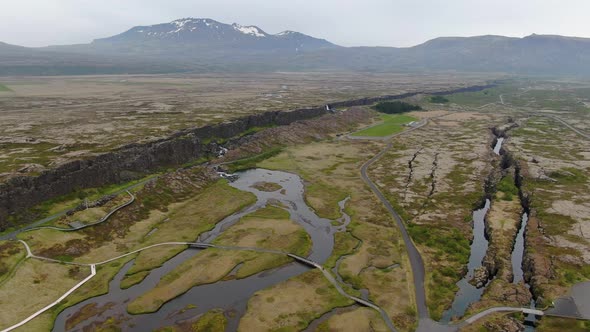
498	145
517	258
468	293
230	295
518	251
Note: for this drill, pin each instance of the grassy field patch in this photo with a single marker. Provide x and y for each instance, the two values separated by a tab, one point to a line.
360	319
133	279
11	253
391	124
189	219
213	320
292	304
267	186
35	284
251	162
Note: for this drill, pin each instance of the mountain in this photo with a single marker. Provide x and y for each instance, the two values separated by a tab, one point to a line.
207	32
200	39
206	45
531	55
534	54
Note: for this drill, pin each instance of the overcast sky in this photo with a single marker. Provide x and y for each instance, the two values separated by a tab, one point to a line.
344	22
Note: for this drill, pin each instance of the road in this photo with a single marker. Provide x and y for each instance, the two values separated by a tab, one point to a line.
413	255
574	129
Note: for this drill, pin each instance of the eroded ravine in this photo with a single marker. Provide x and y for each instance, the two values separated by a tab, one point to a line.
230	295
487	266
469	293
519	249
473	284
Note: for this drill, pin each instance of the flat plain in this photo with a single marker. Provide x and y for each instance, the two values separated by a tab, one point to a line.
49	120
434	176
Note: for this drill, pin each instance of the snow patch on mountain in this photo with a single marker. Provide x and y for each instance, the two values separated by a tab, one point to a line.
182	22
286	33
249	30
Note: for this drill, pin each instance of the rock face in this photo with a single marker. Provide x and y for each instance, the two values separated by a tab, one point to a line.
135	160
480	277
100	202
132	161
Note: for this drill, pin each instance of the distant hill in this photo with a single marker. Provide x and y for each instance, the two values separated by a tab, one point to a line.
534	54
17	60
205	45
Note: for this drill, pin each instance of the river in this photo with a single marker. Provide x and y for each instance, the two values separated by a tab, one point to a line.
468	293
230	295
517	257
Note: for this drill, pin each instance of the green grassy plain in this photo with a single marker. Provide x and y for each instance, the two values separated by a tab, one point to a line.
392	124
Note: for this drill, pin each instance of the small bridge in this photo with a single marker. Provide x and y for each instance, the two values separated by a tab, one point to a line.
305	261
484	313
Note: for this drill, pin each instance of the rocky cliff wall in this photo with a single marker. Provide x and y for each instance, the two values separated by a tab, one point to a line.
135	160
132	161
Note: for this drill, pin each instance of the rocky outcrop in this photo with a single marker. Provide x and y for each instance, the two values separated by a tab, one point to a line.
480	277
497	258
100	202
410	172
502	130
138	159
509	324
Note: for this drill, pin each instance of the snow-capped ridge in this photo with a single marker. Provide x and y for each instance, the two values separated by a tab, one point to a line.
189	32
249	30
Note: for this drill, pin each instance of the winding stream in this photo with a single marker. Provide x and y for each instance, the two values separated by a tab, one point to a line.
468	293
518	251
230	295
517	257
